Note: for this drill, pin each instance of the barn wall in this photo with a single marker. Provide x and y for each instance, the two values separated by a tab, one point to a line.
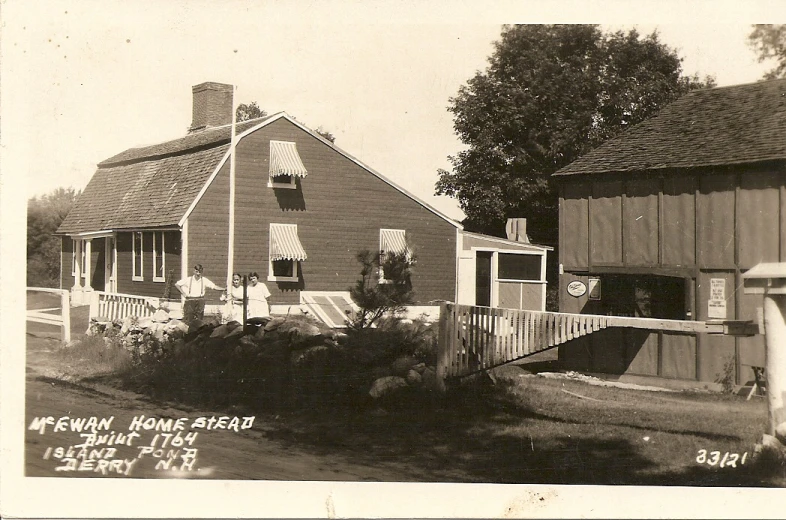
700	226
147	287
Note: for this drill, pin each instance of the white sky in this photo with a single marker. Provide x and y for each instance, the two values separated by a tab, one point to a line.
82	81
90	79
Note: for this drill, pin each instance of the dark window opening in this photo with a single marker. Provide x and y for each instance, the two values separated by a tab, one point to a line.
645	296
283	268
518	267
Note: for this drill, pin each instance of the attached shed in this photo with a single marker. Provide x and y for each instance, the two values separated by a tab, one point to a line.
662	222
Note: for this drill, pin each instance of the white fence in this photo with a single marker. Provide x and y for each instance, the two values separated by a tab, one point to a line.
47	316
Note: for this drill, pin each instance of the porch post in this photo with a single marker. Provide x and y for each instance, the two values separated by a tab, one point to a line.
77	265
88	252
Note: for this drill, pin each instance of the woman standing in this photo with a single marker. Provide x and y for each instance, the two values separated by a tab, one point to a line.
233	309
258	294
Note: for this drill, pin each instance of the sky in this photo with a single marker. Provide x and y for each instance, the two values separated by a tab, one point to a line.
91	79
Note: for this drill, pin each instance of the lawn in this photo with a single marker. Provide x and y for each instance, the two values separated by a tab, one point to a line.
529	429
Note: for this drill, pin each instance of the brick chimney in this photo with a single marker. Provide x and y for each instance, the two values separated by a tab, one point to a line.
212	105
516	229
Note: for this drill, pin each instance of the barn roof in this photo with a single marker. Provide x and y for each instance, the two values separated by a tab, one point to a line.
711	127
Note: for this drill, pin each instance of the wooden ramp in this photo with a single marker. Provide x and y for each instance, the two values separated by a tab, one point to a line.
474	338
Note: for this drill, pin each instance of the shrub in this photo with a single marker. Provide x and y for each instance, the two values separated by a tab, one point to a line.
727	376
377	299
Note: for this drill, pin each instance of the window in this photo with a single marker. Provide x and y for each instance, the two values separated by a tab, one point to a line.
158	257
285	165
286	252
519	267
84	262
391	241
73	257
137	273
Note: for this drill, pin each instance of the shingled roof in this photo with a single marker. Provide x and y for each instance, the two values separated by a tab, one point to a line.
711	127
151	186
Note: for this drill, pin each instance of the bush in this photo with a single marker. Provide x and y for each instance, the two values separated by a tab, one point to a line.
377	299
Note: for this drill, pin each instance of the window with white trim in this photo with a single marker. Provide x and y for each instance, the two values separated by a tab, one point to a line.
391	241
159	260
73	257
285	165
137	273
519	267
285	253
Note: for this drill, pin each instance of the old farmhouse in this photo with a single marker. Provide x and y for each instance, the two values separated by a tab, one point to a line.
302	210
662	222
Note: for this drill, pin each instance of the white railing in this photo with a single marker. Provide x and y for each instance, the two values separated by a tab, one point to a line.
117	306
63	320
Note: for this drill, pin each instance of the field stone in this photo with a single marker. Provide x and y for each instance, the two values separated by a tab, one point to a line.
402	365
419	368
235	333
177	325
429	379
160	316
220	332
386	385
274	323
414	378
144	323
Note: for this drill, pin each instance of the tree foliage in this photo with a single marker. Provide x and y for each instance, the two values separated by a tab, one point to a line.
550	94
246	111
326	134
44	215
376	299
769	42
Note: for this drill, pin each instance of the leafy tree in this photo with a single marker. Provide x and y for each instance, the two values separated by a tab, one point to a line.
769	42
377	299
248	111
44	216
326	134
550	94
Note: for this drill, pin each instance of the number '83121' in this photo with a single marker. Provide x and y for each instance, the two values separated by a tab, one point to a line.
721	459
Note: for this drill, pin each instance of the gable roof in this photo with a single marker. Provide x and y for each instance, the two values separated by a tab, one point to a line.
711	127
159	185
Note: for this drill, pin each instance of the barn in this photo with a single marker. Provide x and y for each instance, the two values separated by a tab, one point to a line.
283	202
664	220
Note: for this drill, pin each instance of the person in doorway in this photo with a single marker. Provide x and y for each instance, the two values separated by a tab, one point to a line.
258	293
233	309
193	289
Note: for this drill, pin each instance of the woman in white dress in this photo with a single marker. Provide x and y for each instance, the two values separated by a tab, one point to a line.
233	308
258	294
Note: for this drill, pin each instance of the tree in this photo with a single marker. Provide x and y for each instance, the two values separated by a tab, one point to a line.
248	111
769	42
376	299
326	134
550	94
44	216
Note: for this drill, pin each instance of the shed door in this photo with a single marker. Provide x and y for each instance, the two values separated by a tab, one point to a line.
483	278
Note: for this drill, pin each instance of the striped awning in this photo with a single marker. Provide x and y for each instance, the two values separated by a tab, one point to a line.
284	160
284	243
393	241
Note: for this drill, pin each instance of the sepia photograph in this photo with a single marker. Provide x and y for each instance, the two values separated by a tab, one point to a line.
393	259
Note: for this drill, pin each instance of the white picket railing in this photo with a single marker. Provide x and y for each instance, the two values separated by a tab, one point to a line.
117	306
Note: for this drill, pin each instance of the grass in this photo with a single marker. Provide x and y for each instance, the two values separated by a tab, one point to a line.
528	430
91	357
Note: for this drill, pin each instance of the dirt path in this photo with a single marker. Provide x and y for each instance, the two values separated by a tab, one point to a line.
221	453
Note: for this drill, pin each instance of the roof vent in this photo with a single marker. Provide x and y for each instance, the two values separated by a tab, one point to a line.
212	105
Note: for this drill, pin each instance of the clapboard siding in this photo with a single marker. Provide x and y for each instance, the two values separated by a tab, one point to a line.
339	208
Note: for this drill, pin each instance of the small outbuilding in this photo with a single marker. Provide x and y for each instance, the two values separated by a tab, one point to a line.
662	222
